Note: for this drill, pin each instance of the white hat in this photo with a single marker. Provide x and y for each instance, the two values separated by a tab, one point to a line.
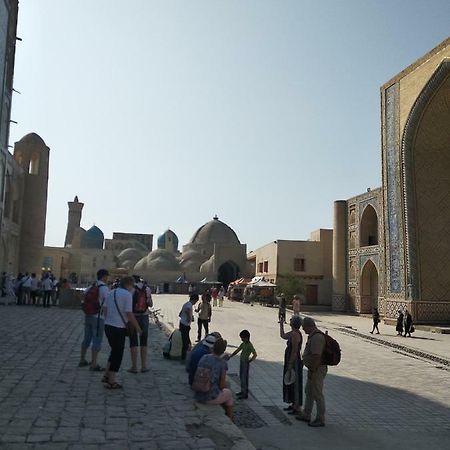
209	341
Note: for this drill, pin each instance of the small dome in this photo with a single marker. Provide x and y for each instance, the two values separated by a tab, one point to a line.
33	138
158	260
93	238
215	232
168	241
130	254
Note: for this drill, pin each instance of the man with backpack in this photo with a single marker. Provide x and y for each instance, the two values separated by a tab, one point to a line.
94	299
317	370
142	300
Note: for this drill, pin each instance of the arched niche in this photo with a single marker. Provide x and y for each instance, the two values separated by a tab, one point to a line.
368	228
369	287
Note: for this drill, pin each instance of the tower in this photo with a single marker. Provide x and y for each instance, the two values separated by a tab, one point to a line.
74	220
32	155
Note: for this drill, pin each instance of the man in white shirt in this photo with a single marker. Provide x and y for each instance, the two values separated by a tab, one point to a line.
93	319
34	288
26	289
186	318
47	287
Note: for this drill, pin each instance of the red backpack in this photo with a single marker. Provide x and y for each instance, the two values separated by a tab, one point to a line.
91	305
331	355
140	300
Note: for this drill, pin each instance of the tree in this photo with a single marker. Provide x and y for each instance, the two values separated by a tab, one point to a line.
290	285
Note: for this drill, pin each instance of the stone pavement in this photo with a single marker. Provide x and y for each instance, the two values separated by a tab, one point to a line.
47	402
388	392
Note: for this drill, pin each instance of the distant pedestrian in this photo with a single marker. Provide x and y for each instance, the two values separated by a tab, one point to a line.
293	366
47	287
376	320
399	327
204	311
118	310
282	308
296	305
312	357
214	295
221	295
407	323
248	354
34	288
186	318
26	289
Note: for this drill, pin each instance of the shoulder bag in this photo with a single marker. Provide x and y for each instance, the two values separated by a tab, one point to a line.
129	327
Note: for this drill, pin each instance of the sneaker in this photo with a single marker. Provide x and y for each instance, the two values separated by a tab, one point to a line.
303	418
316	423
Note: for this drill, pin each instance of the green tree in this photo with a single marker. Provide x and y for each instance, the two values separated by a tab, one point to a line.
290	285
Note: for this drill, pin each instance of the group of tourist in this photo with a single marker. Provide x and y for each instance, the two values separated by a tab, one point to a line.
404	323
118	312
29	289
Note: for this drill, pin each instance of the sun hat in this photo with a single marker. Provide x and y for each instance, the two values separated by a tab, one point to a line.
209	341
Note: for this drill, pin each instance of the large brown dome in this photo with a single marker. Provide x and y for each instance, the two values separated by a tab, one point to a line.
215	232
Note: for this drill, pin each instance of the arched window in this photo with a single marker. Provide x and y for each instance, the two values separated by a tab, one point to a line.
34	164
368	229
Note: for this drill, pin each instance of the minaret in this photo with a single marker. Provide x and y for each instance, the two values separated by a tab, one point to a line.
339	256
74	220
32	154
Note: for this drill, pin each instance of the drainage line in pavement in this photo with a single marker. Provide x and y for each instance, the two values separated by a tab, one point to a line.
407	350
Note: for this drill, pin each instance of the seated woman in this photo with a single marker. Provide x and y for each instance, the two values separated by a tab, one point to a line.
218	394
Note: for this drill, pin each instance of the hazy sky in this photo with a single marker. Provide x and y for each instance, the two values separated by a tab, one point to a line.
164	113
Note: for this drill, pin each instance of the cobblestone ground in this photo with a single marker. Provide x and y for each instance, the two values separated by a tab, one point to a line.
47	402
388	392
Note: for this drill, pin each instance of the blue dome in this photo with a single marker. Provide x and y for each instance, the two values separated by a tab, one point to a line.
93	238
168	241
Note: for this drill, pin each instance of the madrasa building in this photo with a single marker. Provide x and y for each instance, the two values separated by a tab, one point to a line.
391	246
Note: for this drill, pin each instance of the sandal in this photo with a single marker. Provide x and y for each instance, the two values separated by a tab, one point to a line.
132	371
114	385
288	408
96	368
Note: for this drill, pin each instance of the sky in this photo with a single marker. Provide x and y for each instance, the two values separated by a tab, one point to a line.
164	113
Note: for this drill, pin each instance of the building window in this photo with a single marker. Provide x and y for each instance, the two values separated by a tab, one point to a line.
299	264
266	266
260	267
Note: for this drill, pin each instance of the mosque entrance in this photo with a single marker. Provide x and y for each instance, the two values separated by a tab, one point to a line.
228	272
369	288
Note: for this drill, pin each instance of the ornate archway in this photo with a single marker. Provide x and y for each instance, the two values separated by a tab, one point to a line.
369	288
228	272
368	228
426	184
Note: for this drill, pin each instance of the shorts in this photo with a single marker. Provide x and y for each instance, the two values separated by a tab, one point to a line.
225	397
137	340
90	332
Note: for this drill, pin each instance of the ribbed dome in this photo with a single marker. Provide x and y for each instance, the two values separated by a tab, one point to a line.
33	138
158	259
95	232
129	254
215	232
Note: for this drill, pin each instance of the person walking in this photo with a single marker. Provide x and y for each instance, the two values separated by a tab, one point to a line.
204	311
214	294
312	358
376	320
293	366
142	300
94	301
118	310
34	288
296	305
399	327
186	318
407	323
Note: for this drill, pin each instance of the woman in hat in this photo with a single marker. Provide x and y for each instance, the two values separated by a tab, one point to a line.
293	366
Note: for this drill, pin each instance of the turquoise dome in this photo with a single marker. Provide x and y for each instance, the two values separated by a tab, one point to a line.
93	238
168	241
